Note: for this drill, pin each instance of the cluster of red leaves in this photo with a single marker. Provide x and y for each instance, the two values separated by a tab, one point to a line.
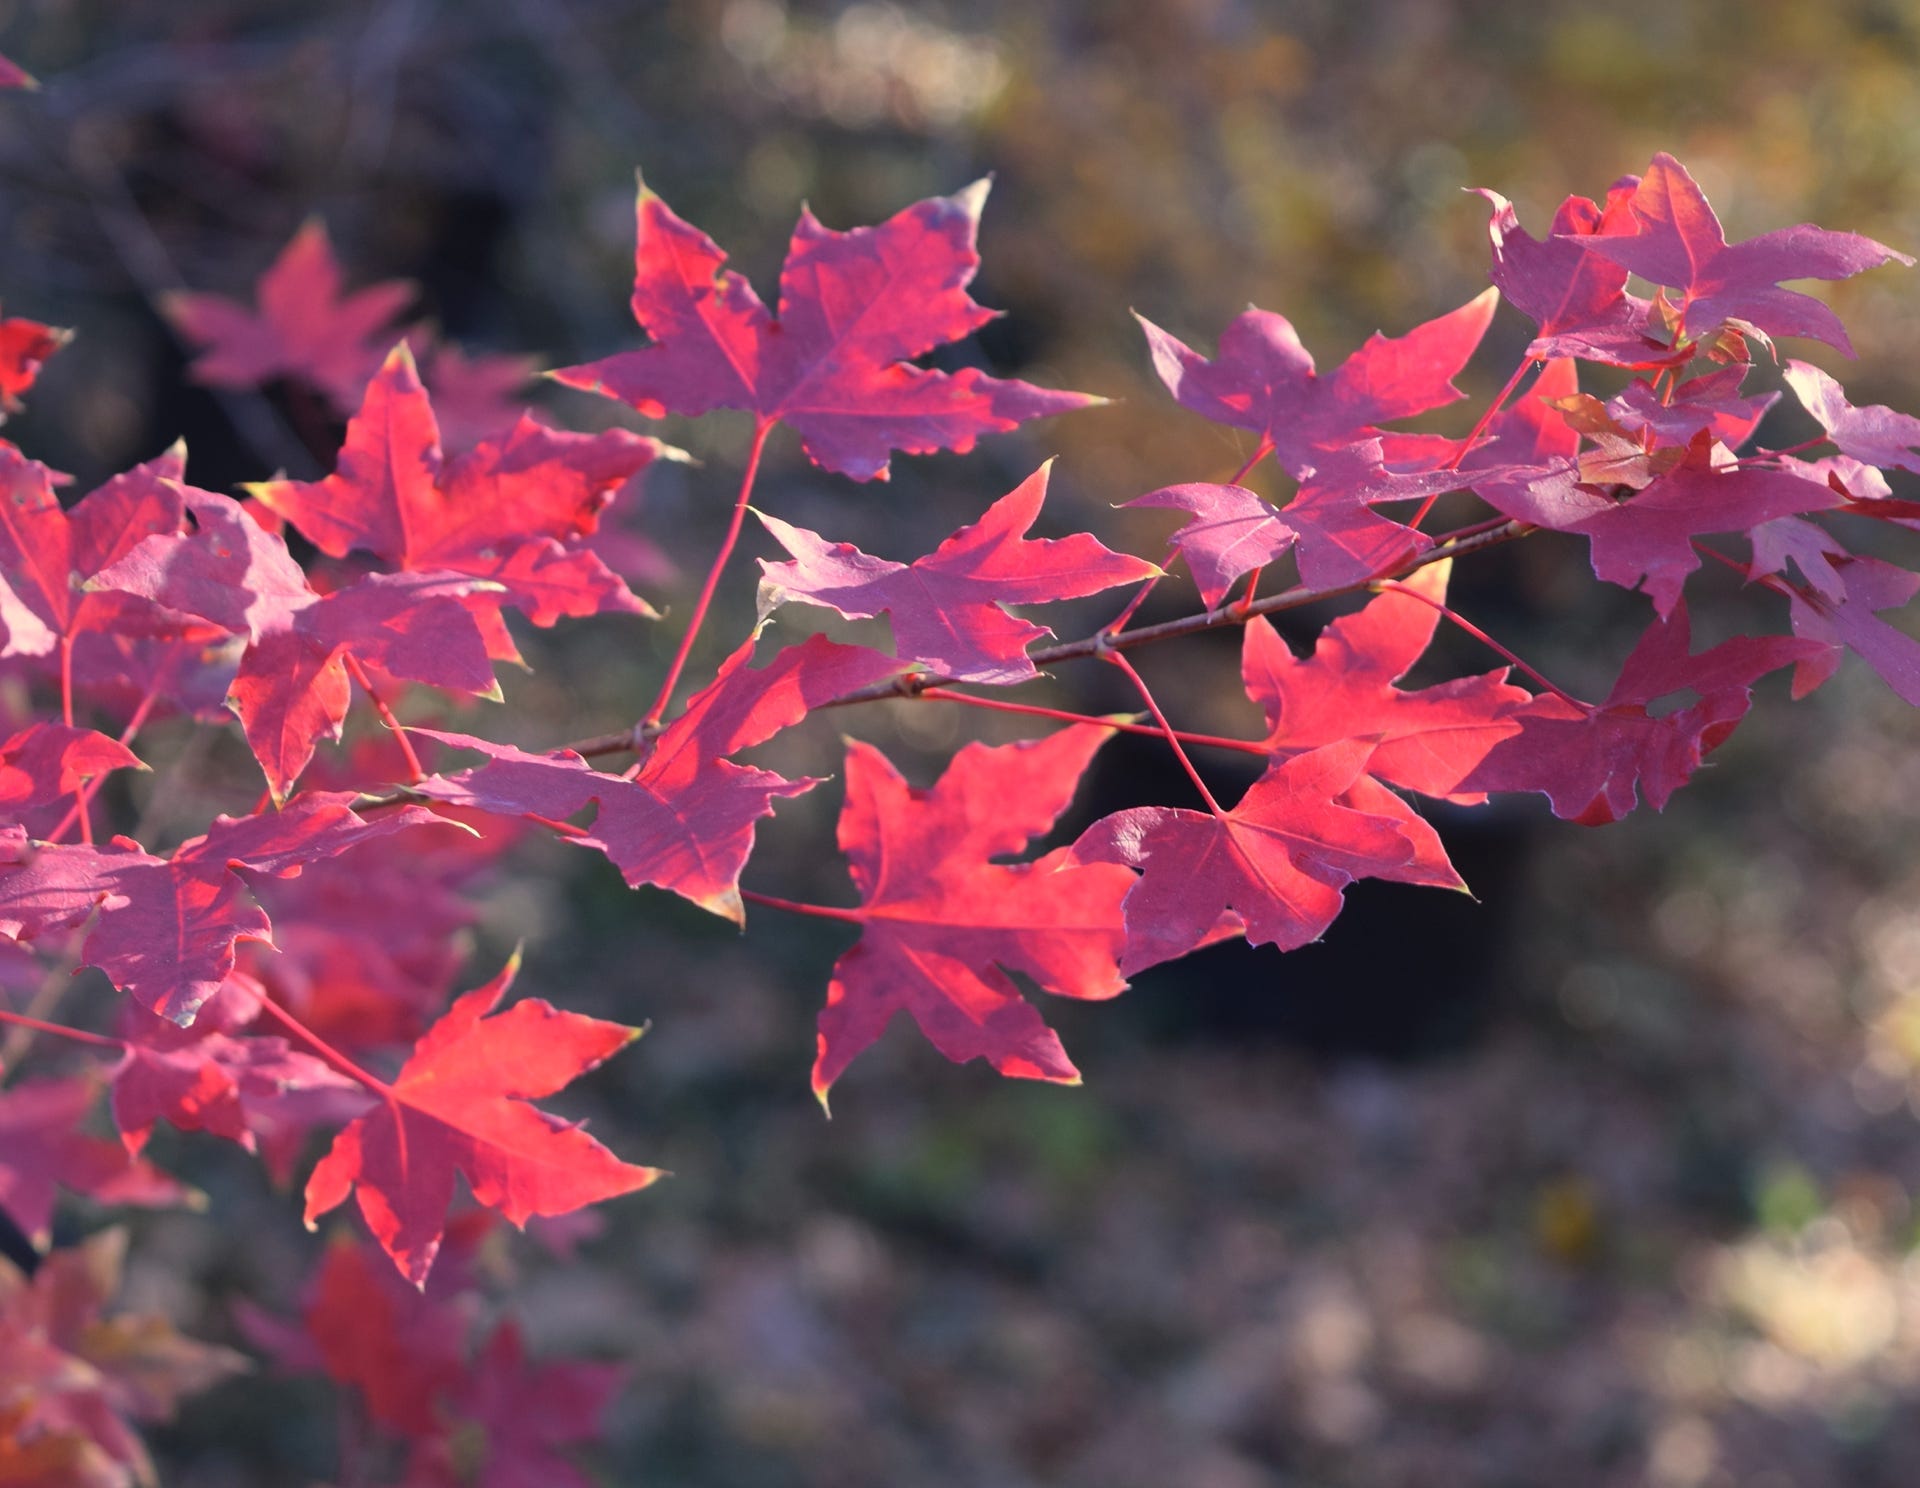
288	972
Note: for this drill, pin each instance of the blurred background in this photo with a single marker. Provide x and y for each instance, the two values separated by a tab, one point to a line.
1608	1179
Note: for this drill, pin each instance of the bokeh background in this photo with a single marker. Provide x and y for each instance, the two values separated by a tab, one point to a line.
1609	1179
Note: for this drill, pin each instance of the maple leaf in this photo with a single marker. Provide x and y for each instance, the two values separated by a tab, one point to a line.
1264	380
685	820
475	394
219	1077
509	1421
1647	541
512	511
48	555
1276	864
1230	531
1577	299
1844	616
87	1376
304	328
1588	760
947	609
1427	740
42	1148
1710	402
1339	539
1874	433
166	937
24	345
942	926
292	686
836	367
1680	244
47	761
461	1103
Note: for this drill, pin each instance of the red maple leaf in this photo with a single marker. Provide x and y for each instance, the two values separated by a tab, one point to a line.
305	328
1647	541
1577	299
1587	760
1264	380
685	820
1230	531
218	1076
42	1148
509	1421
1427	740
942	926
293	686
855	309
46	761
73	1375
947	608
514	510
1711	402
1875	433
49	555
1340	540
1680	244
461	1103
24	345
1844	615
1275	865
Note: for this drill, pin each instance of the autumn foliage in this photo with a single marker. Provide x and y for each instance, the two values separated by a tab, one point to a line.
287	979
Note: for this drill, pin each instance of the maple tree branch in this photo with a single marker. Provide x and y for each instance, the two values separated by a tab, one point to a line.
1034	710
1166	729
359	674
1473	538
794	906
658	711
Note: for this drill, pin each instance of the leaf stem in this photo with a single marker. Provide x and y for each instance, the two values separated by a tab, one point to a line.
80	797
359	674
1167	730
793	906
127	735
659	709
328	1054
1473	434
79	1036
1483	638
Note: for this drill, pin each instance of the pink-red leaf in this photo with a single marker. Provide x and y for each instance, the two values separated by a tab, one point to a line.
1276	864
461	1103
1680	244
855	309
1427	740
685	821
942	926
1230	531
1263	379
947	608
